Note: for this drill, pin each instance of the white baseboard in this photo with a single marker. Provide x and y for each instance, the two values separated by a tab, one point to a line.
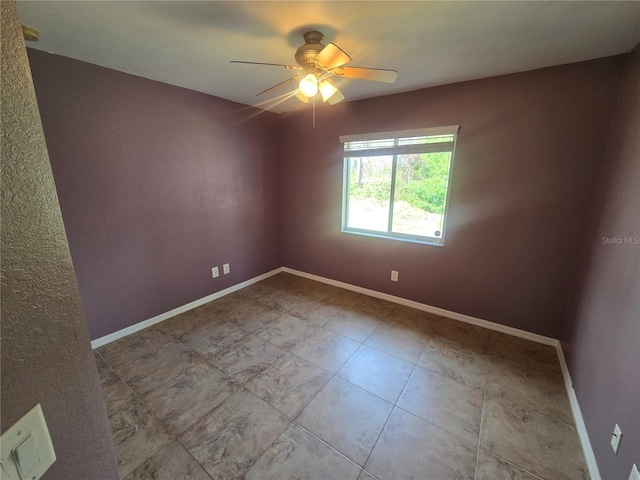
516	332
589	455
98	342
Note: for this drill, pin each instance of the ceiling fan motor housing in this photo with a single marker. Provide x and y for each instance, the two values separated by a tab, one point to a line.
306	54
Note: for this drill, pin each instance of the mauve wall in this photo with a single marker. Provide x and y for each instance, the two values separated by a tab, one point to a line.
526	161
157	184
46	356
601	341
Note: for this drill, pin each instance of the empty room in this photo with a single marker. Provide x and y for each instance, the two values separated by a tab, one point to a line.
320	240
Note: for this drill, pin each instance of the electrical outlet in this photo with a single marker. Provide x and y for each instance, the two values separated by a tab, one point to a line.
615	439
215	272
635	474
394	276
225	268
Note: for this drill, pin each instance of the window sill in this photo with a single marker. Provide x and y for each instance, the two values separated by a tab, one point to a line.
390	237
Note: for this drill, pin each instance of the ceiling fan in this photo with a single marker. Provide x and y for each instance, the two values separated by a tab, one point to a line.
317	63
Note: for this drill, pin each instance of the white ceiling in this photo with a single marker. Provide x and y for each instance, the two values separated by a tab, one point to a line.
189	44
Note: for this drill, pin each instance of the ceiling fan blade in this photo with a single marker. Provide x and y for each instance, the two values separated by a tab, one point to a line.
288	67
332	56
301	97
374	74
278	85
335	98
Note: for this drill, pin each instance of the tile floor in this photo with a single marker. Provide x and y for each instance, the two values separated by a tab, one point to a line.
291	378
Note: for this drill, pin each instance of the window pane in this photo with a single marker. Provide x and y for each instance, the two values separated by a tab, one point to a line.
369	192
369	144
420	194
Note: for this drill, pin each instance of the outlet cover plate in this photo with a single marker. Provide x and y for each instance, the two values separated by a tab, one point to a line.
225	268
615	438
215	272
394	275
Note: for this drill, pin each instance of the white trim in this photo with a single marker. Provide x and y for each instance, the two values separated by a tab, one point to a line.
516	332
587	450
177	311
417	132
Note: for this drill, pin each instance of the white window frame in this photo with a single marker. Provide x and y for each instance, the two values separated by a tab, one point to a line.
394	151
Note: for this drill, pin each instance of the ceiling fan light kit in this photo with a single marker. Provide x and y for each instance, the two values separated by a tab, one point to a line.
327	89
309	85
317	63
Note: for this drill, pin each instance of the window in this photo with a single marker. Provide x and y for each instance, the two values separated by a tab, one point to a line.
396	184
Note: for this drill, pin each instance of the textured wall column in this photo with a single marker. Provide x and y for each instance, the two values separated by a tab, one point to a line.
46	354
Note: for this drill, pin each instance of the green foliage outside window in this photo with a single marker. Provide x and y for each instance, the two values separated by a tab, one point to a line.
421	179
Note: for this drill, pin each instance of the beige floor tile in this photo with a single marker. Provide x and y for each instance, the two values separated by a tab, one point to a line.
468	369
246	358
281	280
347	417
286	331
117	396
289	384
155	368
252	316
228	440
302	308
260	289
188	397
133	346
524	352
352	323
528	388
377	372
326	349
315	290
461	337
229	307
344	298
412	318
173	462
374	306
536	443
213	338
178	326
492	468
299	455
281	300
526	434
412	448
137	435
364	475
398	341
105	372
318	316
451	405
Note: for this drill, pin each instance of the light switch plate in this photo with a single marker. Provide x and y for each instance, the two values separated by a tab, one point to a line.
19	442
215	273
225	268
